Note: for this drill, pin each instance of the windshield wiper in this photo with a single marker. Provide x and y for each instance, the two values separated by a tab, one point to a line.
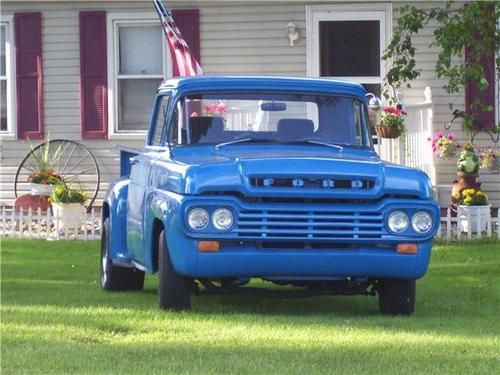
244	140
321	143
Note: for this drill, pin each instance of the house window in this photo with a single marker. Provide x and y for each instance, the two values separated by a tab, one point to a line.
138	64
6	78
347	42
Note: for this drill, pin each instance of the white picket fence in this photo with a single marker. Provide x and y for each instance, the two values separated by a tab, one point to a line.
28	224
449	228
24	224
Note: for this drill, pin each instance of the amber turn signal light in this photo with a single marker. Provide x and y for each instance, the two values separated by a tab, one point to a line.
208	246
407	248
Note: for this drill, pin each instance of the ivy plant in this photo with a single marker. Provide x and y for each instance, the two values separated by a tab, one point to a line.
457	26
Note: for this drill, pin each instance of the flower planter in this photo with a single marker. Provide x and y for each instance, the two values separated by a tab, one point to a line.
478	216
69	215
40	189
447	152
390	132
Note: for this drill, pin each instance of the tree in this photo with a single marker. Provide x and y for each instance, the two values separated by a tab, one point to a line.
470	27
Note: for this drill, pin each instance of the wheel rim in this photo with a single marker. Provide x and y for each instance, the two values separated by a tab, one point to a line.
76	166
104	273
104	258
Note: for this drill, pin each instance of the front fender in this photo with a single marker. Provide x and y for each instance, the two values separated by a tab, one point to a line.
162	208
116	200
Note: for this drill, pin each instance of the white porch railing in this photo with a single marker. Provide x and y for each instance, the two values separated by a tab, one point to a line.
412	148
37	225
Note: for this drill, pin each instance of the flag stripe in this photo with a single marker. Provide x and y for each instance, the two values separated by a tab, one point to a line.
184	62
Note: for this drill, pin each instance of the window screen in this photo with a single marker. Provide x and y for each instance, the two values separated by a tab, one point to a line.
349	48
139	66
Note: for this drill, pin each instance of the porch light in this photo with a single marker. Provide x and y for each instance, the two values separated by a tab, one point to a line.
374	103
293	33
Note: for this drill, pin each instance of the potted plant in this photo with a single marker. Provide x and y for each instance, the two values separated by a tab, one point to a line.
443	145
68	205
46	164
467	168
490	159
473	205
391	124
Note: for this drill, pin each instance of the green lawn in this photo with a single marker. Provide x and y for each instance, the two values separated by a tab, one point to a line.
56	319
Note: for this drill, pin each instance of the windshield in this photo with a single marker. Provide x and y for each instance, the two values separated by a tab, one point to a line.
227	118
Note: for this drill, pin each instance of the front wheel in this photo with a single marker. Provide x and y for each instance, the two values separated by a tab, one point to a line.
396	296
114	277
174	290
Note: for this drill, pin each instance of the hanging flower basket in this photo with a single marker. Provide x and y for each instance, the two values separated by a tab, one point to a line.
490	159
391	123
390	132
443	145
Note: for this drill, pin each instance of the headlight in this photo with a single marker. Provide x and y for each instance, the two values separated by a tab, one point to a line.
198	218
421	222
222	219
398	221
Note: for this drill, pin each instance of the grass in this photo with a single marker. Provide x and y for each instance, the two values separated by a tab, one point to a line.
56	319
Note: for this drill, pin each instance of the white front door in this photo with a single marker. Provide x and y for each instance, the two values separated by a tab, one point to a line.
345	42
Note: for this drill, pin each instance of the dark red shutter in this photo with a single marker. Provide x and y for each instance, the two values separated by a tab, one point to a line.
93	75
29	84
188	22
483	119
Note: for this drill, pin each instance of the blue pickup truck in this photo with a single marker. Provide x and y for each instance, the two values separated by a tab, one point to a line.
270	178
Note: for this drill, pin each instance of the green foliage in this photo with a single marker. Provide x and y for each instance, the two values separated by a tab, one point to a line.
46	163
472	25
57	320
63	193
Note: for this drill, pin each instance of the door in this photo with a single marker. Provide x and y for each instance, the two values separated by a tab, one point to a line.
139	179
346	44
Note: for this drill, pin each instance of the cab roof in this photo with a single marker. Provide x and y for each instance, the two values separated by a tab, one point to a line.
261	83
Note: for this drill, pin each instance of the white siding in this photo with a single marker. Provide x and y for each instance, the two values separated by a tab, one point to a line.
236	38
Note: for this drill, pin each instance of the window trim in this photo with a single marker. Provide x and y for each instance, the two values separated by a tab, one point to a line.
10	73
113	20
359	12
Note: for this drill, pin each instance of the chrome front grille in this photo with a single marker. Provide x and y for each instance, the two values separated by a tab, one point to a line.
309	225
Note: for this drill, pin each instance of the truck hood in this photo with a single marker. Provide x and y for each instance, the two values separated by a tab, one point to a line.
289	171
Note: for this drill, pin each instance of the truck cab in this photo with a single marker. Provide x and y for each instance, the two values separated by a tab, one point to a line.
270	178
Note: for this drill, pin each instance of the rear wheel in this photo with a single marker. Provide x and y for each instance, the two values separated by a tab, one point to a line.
114	277
174	290
396	296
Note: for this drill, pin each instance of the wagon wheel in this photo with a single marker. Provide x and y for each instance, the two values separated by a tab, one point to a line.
76	166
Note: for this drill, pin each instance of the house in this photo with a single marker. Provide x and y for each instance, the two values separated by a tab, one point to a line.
87	70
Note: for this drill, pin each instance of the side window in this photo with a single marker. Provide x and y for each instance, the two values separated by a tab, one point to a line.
160	121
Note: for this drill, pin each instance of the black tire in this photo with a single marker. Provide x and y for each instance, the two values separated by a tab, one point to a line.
396	296
174	290
115	277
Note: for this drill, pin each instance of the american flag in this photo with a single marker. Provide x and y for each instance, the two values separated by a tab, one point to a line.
184	63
